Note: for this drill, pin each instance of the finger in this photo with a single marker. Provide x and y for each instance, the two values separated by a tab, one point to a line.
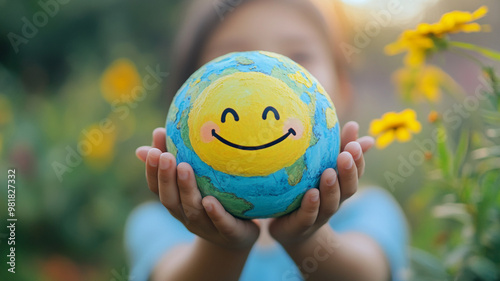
167	185
366	143
152	160
349	133
348	175
306	215
329	195
354	148
142	152
189	194
224	222
159	139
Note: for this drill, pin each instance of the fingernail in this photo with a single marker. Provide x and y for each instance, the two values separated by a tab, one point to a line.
358	155
153	162
331	181
350	164
315	197
183	175
366	140
357	152
164	163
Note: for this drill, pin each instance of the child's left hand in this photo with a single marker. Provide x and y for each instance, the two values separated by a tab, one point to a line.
318	205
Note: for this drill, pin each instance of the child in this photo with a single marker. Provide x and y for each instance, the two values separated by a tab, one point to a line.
190	238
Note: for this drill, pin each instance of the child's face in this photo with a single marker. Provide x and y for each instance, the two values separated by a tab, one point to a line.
280	28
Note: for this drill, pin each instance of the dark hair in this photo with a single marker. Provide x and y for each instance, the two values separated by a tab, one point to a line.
201	19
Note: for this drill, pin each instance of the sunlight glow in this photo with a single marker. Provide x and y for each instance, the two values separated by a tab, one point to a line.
409	11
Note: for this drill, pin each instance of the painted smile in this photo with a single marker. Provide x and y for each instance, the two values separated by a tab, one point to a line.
258	147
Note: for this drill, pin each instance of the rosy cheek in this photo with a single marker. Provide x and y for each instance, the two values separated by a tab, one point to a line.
206	131
296	125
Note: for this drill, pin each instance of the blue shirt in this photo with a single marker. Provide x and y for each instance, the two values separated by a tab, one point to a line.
151	231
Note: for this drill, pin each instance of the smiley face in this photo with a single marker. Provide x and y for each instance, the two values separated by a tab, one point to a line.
249	124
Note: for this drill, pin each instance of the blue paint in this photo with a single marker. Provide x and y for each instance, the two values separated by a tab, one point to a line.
270	194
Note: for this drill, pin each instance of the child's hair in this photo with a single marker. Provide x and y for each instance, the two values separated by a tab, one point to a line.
202	17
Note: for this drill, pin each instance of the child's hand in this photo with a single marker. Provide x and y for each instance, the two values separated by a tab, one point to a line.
319	205
178	192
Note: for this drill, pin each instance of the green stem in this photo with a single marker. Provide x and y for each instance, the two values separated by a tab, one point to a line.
471	47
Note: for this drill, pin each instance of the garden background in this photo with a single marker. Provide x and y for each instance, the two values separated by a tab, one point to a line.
62	69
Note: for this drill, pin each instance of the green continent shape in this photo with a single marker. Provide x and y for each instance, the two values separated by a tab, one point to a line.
227	71
229	200
184	128
171	146
282	74
244	60
314	139
195	90
296	171
292	207
212	77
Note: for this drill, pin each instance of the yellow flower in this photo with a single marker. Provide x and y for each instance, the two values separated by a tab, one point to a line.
414	43
98	145
428	37
394	126
419	83
119	80
456	21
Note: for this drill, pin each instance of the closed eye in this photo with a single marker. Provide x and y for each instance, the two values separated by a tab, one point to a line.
229	110
270	108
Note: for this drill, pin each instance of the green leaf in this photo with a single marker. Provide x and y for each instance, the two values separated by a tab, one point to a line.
444	154
456	256
426	267
491	239
489	183
483	268
461	152
489	116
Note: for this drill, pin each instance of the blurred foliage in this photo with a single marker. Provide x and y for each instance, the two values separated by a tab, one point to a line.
458	205
70	137
456	212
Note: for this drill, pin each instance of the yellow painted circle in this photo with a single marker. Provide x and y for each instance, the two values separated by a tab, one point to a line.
249	124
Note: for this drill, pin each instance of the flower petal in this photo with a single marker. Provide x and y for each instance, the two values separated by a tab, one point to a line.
414	126
479	13
408	114
415	58
467	28
394	48
403	135
376	127
424	28
385	139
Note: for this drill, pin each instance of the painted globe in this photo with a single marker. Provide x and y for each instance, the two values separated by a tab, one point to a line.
258	130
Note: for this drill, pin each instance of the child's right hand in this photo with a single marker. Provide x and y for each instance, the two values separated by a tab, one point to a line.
178	192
